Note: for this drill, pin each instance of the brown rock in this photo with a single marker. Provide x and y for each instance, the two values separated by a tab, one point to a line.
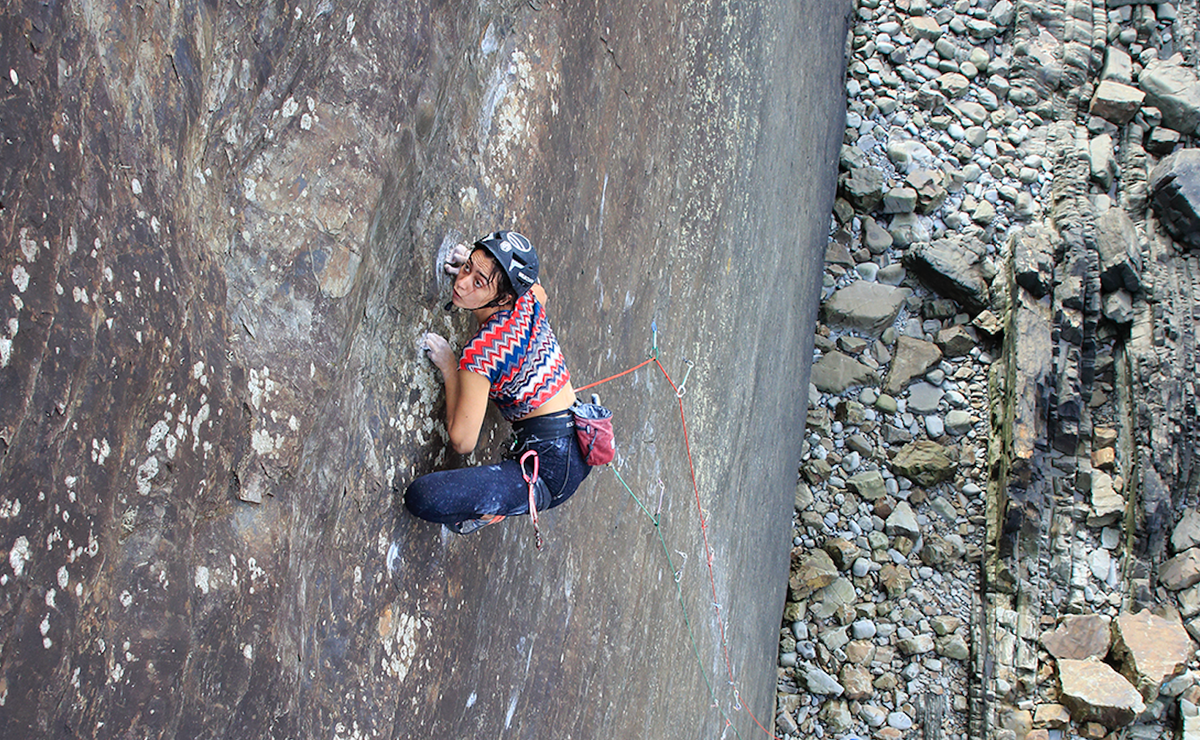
1181	571
1078	637
841	551
1150	649
1104	458
1094	692
1037	735
860	652
856	680
925	462
896	580
811	571
913	358
1051	716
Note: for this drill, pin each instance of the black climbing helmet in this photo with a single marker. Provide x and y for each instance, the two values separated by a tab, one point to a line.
516	257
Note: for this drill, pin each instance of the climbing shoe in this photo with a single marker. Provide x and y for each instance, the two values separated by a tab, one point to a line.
473	525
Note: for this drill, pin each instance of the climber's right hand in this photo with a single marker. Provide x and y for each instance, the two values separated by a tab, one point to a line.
456	259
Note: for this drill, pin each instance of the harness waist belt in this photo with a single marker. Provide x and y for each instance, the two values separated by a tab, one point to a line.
544	428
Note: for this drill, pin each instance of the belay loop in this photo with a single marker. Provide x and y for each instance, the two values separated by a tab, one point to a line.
531	479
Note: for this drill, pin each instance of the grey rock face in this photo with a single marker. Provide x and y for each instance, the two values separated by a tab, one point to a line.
1175	191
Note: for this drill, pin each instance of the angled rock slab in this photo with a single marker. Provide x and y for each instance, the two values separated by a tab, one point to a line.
952	268
1094	692
1175	90
836	372
1150	649
1079	636
865	306
913	358
1175	192
1120	251
924	462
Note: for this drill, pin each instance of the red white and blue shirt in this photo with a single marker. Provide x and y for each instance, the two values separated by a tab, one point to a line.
517	352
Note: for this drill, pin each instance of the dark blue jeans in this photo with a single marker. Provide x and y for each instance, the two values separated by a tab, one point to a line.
453	496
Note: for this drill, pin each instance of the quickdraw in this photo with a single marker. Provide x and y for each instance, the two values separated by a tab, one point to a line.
531	480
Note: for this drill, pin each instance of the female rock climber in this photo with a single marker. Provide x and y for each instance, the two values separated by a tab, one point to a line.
515	360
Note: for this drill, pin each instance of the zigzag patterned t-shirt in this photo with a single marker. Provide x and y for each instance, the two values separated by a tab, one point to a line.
517	352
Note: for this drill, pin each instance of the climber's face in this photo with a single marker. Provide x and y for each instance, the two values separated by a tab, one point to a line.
476	284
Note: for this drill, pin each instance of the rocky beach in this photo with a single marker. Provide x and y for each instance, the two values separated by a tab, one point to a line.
995	532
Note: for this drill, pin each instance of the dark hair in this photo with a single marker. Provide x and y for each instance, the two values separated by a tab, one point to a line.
504	286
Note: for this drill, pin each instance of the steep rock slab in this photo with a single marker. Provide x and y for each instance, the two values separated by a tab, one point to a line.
243	205
1094	692
1150	649
1175	191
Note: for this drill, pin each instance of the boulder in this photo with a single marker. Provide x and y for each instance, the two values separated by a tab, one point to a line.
1103	163
1118	308
930	188
1150	649
865	306
1120	251
951	266
1186	534
862	187
1175	192
895	579
868	484
1118	66
1181	571
1116	102
857	682
820	682
924	462
922	27
912	358
902	522
874	237
842	551
1175	90
900	200
1094	692
1079	636
1108	506
836	372
811	571
1033	260
957	340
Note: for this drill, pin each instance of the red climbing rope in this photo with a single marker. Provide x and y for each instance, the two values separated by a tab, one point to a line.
679	393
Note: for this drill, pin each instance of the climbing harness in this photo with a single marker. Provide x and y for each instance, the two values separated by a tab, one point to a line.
531	480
